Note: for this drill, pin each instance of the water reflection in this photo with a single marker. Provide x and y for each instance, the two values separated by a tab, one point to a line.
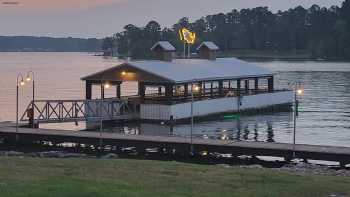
247	128
324	120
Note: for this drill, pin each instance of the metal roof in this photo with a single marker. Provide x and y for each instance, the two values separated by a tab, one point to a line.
209	45
192	70
164	45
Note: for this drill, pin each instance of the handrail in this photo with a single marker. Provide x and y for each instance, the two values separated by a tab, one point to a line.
75	110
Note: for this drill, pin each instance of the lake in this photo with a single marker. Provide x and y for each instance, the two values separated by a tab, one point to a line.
325	106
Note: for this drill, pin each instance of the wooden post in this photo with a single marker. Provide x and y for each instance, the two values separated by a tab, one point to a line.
88	90
270	83
238	87
246	86
118	93
169	91
211	89
142	90
220	88
186	90
102	91
159	91
256	84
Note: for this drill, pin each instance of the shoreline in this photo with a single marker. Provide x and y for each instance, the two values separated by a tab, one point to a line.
297	167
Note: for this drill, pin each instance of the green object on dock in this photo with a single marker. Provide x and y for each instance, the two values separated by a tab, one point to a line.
232	117
301	109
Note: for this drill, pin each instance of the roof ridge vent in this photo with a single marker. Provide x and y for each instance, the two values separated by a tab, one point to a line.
207	50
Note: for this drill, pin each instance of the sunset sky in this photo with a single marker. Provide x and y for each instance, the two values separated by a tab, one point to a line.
99	18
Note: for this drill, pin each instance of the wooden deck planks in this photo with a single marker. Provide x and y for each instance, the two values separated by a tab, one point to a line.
330	153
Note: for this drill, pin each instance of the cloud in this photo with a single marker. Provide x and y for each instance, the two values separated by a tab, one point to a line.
42	5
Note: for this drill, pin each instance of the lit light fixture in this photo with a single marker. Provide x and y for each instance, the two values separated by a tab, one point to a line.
22	83
123	73
28	78
224	137
196	88
300	91
107	85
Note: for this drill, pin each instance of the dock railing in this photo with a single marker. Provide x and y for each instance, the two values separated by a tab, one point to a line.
205	95
54	111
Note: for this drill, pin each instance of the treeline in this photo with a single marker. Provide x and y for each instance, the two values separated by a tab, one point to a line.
319	31
47	44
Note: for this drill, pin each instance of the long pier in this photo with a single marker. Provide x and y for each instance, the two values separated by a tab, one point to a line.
180	144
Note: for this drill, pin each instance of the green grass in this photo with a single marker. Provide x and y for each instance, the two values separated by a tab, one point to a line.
31	177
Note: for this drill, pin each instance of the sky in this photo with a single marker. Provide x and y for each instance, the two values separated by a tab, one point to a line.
100	18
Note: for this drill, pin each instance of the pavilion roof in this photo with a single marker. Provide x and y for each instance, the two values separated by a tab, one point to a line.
184	70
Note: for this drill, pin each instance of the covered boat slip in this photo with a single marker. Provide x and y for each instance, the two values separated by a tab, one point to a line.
166	88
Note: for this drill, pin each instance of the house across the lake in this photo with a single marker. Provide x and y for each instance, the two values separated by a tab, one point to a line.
167	86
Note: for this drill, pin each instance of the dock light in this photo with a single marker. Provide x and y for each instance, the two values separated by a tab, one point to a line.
28	78
22	83
300	91
123	73
19	82
107	85
196	88
31	78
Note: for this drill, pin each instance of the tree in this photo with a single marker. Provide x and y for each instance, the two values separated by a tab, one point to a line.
322	32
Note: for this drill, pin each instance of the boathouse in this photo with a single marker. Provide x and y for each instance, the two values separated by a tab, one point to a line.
167	86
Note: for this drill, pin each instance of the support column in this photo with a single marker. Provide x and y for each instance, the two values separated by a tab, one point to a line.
159	91
246	86
169	91
270	83
142	90
186	90
211	89
102	91
200	92
118	91
220	88
256	84
88	90
238	87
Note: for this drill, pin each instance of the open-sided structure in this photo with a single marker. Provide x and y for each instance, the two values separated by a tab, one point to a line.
166	87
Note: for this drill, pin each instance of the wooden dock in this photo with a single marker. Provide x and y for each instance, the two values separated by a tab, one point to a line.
180	144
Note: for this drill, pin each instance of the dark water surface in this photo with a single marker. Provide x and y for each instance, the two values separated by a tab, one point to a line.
324	120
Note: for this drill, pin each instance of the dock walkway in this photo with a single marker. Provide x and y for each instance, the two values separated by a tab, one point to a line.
313	152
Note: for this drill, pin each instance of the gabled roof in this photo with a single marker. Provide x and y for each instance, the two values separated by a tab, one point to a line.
209	45
165	45
187	70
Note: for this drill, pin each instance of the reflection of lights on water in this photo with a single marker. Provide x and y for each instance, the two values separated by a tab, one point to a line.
205	136
224	137
300	91
204	153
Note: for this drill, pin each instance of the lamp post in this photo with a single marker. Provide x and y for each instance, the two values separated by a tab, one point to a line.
20	82
298	90
104	85
193	88
31	77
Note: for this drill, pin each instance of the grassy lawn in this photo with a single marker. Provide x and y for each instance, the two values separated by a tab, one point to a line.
31	177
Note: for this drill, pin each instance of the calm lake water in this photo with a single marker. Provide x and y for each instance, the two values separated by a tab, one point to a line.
324	120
